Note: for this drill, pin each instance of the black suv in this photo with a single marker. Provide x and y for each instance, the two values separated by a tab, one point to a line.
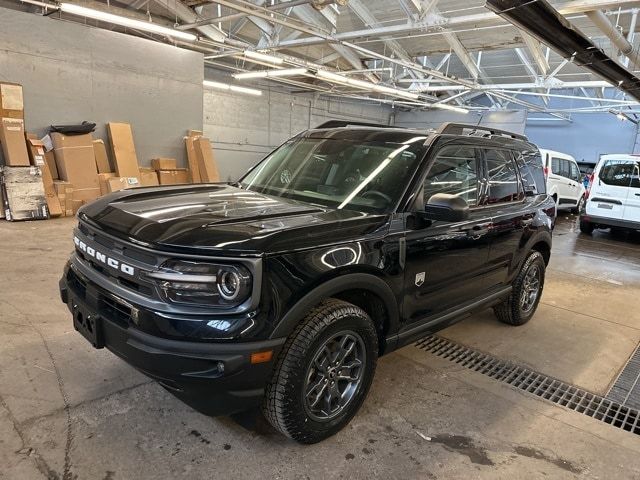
283	289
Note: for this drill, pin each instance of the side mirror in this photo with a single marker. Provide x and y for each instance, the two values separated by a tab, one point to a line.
446	207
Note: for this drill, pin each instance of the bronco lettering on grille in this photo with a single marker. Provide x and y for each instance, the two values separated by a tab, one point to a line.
103	258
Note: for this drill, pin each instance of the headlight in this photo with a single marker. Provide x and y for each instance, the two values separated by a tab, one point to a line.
208	284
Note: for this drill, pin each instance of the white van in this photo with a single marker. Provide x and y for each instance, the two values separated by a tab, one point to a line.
564	180
614	198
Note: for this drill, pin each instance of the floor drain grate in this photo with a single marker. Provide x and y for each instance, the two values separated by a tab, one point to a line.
626	389
543	386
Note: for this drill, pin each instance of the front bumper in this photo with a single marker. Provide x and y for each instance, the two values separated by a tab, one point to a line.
215	378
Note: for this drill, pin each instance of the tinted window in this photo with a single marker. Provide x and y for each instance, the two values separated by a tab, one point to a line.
531	171
555	166
454	172
503	178
617	173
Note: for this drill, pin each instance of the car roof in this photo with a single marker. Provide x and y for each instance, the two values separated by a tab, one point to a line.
620	156
565	156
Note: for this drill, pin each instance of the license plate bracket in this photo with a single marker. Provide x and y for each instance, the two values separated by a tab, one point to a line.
88	324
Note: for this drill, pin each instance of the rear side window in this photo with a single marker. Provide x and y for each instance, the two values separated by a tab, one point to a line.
618	173
454	171
504	185
531	171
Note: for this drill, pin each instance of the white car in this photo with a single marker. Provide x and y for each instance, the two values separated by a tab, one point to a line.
614	198
564	180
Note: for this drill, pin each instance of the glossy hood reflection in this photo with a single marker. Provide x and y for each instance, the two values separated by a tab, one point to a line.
224	218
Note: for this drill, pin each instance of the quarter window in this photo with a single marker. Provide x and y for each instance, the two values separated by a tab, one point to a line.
454	171
504	185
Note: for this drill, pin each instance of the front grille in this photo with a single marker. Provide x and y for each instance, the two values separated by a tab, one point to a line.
107	307
539	384
114	311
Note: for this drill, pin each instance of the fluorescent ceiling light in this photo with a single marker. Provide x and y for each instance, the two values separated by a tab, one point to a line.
232	88
263	57
125	21
373	87
285	72
444	106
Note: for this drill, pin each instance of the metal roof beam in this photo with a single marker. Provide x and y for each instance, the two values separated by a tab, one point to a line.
535	48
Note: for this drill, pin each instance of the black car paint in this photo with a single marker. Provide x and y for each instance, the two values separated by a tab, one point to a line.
306	253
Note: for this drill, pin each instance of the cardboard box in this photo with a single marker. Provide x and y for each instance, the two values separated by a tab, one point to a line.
60	186
102	160
192	159
50	160
86	195
14	147
115	184
164	163
23	193
148	177
206	163
103	179
124	150
194	133
60	140
173	177
53	202
36	152
11	101
75	160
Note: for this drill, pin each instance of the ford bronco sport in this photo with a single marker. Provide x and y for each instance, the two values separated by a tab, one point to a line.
283	289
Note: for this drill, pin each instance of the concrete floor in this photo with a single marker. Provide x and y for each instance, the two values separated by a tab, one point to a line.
68	411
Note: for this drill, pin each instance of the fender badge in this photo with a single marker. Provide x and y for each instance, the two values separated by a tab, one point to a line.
419	279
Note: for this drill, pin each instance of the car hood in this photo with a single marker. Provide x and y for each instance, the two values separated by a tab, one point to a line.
224	219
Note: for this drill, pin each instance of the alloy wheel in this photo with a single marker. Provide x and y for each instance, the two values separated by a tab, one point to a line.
530	289
334	376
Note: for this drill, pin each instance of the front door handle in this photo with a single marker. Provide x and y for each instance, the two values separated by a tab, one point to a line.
478	230
637	194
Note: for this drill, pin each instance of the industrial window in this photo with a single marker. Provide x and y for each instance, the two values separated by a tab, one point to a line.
504	185
454	171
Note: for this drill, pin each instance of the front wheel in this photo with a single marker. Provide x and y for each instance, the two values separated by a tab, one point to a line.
323	373
525	295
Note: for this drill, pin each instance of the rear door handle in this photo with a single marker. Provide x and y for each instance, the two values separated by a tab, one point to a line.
637	194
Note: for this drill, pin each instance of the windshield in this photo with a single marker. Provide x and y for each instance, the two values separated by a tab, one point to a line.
338	173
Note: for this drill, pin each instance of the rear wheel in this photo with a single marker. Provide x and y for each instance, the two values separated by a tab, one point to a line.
586	226
323	373
523	301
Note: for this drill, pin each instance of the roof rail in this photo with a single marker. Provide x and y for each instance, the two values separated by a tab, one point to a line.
459	129
346	123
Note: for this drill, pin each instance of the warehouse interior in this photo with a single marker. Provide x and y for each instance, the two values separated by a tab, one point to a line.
100	98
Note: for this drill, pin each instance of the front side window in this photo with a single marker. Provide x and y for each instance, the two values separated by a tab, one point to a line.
504	185
618	173
339	173
454	171
575	173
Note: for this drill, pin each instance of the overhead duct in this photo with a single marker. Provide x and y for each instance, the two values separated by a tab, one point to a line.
601	21
545	23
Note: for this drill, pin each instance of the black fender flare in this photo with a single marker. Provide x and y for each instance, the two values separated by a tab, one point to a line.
334	286
543	236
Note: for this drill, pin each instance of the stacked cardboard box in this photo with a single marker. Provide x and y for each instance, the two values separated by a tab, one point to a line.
76	164
23	195
168	172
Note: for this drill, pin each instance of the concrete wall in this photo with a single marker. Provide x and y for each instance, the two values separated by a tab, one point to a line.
72	72
512	121
587	137
244	129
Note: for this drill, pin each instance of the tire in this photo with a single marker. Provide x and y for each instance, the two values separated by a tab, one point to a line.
513	311
302	365
586	227
578	206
